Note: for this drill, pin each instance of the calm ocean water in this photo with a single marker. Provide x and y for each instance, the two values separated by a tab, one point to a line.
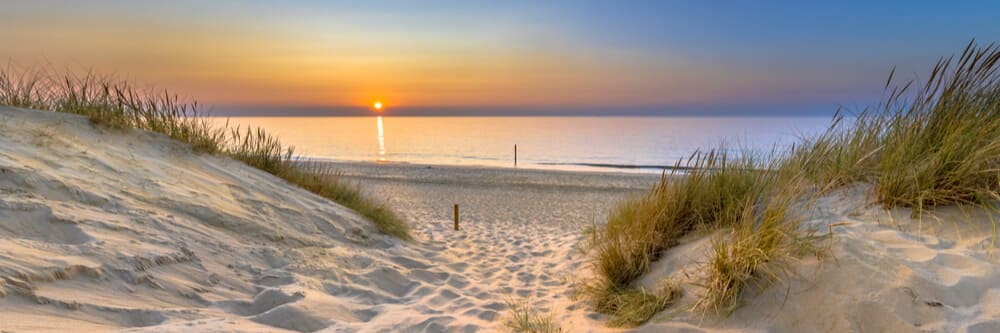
635	144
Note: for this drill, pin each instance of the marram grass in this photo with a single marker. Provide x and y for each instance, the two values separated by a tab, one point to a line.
628	306
942	146
928	143
935	145
755	252
116	103
523	318
719	189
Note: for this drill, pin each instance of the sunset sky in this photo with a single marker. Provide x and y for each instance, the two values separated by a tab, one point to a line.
751	56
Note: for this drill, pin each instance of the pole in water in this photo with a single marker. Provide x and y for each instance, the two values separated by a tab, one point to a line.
456	216
515	155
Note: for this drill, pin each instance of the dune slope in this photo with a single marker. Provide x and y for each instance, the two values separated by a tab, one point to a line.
105	229
882	271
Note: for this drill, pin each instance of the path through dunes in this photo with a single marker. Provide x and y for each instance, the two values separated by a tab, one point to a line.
104	229
519	236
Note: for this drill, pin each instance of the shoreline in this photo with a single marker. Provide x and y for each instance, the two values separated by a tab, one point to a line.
582	167
493	176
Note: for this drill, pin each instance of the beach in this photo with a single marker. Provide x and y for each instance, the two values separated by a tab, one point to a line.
143	233
515	167
106	229
520	229
492	197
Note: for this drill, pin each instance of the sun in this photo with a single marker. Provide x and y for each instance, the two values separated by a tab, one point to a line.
377	105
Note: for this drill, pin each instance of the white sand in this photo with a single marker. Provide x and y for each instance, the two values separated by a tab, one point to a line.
106	229
885	272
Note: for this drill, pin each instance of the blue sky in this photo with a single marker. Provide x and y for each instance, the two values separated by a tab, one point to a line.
702	56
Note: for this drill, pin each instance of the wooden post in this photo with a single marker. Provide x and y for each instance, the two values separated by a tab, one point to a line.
515	155
456	216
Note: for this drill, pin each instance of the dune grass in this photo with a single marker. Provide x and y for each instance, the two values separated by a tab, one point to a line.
840	155
923	146
712	194
943	146
756	251
115	103
523	318
628	306
937	145
720	189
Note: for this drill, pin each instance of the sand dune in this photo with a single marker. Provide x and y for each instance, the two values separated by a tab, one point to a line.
110	229
106	229
884	272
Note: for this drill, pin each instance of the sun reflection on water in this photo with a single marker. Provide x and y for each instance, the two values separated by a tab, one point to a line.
381	141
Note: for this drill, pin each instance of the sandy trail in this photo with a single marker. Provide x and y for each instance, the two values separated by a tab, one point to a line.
520	229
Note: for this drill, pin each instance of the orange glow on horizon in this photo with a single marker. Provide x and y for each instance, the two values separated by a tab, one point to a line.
377	105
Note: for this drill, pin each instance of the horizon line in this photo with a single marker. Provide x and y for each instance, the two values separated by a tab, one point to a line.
804	110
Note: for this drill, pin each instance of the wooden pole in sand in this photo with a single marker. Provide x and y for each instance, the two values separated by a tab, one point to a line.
515	155
456	216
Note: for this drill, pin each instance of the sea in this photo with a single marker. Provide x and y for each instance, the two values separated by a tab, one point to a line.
624	144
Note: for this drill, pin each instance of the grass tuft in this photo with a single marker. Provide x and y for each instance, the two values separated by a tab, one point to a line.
752	253
942	146
720	189
629	307
115	103
713	193
523	318
926	144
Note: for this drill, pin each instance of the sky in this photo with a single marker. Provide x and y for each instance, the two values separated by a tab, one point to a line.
486	57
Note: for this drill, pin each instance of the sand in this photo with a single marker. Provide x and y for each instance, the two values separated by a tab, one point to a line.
110	229
883	271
